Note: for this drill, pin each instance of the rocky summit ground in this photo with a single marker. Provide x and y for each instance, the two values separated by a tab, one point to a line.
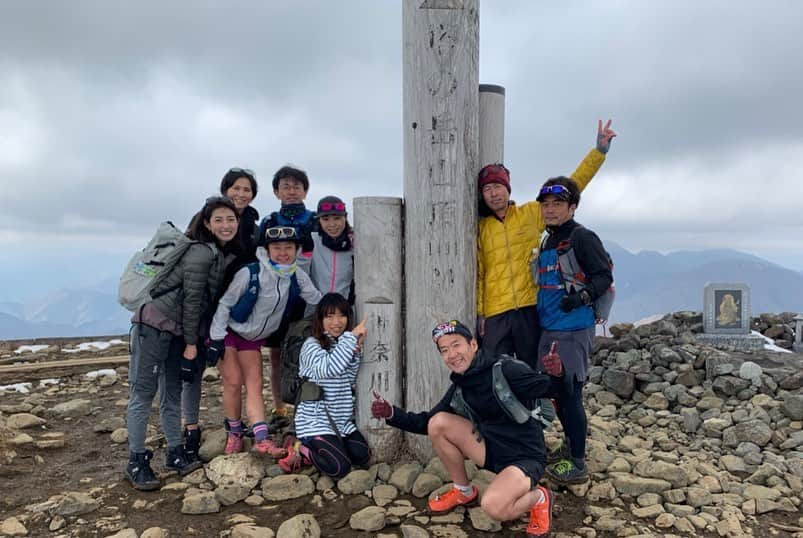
684	440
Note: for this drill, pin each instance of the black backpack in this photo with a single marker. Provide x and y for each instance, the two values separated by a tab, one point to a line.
297	333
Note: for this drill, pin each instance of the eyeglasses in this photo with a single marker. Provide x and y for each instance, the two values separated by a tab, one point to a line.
557	190
280	232
331	206
493	169
245	171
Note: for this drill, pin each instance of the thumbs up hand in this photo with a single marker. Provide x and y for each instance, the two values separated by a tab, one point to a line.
381	408
552	362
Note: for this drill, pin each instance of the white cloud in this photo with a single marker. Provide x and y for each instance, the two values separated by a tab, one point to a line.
114	118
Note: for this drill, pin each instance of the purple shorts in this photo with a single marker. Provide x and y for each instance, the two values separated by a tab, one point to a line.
241	344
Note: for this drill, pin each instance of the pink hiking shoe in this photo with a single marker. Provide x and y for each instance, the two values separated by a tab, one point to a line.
295	460
266	446
234	443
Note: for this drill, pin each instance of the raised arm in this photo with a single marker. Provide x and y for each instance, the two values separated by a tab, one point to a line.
592	162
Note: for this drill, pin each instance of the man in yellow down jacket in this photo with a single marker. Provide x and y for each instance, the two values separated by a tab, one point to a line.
508	234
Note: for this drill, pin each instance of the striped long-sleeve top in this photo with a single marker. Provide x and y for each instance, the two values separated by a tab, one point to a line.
335	371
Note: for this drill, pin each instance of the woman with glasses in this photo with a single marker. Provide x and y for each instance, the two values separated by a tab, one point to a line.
278	280
165	340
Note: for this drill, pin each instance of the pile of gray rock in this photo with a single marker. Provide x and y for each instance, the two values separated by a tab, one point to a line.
691	437
684	439
779	327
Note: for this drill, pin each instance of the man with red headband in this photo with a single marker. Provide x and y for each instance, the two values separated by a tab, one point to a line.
508	235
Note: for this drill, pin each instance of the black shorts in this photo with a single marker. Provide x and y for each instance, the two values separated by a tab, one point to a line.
531	468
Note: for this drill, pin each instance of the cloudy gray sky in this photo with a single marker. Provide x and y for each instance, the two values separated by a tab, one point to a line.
115	116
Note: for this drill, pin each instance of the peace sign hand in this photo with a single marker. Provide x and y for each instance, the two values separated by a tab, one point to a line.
604	136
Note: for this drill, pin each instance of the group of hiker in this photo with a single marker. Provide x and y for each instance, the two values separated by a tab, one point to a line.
241	284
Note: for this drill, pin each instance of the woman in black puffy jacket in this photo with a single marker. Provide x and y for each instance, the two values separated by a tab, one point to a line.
166	336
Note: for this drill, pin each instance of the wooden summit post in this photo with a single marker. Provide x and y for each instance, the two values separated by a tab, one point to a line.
440	122
378	278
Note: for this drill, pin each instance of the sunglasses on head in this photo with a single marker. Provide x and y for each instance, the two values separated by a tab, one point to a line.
245	171
331	206
280	232
557	190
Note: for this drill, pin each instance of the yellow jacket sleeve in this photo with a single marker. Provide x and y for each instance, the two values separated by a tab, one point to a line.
480	281
588	167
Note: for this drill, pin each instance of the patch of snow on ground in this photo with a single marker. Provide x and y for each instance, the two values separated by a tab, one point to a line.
47	382
100	373
648	320
770	345
32	349
93	346
23	388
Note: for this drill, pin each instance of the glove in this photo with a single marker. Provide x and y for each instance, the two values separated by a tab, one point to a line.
214	351
574	300
187	370
552	362
604	137
381	408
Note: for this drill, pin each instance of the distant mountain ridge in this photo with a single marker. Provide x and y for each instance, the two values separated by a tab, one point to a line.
647	283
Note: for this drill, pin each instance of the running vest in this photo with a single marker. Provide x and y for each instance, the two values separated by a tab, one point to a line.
559	269
544	411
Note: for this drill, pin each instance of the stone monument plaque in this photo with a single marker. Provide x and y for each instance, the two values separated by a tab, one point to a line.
726	308
726	317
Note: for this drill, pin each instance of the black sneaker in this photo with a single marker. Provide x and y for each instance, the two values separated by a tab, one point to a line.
177	460
559	453
565	472
139	472
192	444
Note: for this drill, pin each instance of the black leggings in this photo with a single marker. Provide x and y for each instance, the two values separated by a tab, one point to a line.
334	456
572	416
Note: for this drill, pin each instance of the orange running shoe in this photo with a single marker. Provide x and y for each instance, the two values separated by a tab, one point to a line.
541	516
443	504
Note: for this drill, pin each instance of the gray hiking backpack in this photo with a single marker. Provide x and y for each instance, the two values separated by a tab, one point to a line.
148	268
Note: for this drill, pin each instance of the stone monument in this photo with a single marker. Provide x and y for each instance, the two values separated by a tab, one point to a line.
726	317
798	345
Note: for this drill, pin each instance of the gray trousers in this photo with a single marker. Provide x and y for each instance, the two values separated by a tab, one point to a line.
154	364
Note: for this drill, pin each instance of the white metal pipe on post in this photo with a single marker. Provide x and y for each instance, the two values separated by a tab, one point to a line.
378	278
440	123
492	124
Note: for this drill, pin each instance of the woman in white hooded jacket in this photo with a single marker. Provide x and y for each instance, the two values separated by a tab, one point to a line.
240	341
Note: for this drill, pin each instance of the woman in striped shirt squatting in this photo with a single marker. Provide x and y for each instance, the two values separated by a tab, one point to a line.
330	358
